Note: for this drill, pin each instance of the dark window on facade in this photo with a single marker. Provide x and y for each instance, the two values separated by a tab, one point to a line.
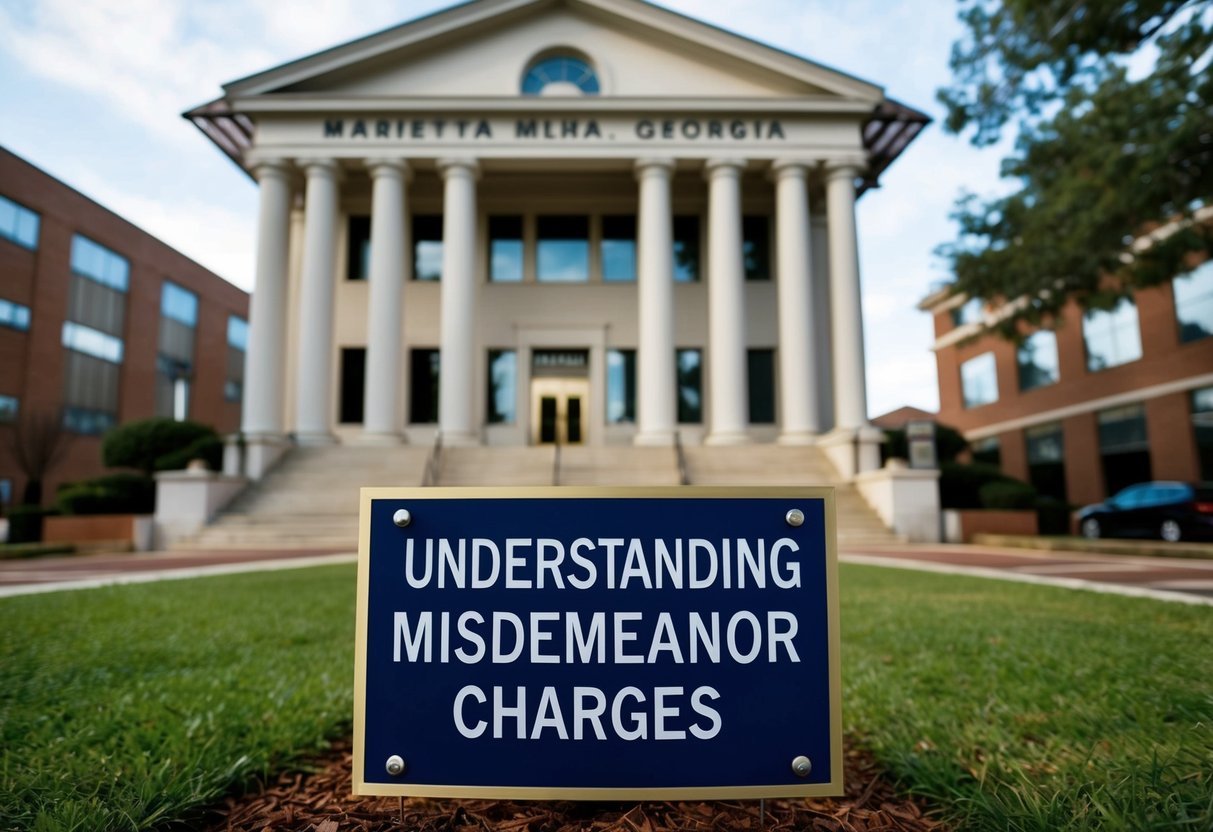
756	247
427	247
690	386
988	450
18	224
686	249
505	249
90	393
9	407
423	386
563	251
1124	446
1202	425
560	69
237	345
1045	448
619	248
175	352
502	386
761	372
1037	357
353	384
621	386
6	491
92	336
1194	302
358	255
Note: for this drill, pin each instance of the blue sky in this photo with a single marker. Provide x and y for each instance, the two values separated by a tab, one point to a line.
93	91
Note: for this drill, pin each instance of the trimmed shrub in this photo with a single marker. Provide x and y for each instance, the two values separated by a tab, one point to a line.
960	483
208	448
1010	494
111	494
25	523
142	444
1052	516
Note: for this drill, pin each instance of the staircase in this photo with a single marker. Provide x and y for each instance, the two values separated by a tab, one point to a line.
311	499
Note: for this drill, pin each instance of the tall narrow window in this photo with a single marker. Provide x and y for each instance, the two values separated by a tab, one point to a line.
1112	337
1194	302
423	386
563	252
503	386
505	249
979	380
1202	426
690	386
358	255
175	355
1045	448
1124	446
756	247
427	247
353	384
761	372
618	248
9	406
237	345
686	249
18	224
1037	357
92	336
621	386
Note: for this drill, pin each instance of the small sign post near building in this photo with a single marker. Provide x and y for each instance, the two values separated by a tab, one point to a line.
597	643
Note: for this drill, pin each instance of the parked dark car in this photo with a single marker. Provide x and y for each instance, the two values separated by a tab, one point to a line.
1171	510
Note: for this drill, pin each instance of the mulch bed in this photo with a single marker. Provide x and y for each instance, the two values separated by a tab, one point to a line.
321	802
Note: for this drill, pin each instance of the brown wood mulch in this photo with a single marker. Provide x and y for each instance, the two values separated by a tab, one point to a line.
321	802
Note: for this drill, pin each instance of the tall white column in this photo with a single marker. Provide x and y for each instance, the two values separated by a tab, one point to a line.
797	354
313	384
850	394
389	242
727	373
656	414
456	386
262	415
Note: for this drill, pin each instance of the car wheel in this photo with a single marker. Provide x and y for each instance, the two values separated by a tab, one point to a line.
1091	529
1170	531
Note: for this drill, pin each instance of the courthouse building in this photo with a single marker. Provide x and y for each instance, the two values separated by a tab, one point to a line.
587	221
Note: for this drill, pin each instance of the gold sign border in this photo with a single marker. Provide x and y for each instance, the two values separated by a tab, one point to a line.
832	788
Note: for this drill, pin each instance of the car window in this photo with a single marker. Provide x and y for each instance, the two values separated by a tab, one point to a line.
1131	497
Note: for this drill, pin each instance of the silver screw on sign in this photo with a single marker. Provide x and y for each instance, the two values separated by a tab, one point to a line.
795	517
801	766
402	518
395	765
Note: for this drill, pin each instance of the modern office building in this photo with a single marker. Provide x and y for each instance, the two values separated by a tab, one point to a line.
1101	400
588	221
101	323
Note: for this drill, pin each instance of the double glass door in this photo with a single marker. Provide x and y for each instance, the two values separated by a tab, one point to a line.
559	410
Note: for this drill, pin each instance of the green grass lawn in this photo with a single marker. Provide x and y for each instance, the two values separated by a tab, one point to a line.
1008	706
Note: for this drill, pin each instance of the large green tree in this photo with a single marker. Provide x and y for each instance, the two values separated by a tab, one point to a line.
1102	154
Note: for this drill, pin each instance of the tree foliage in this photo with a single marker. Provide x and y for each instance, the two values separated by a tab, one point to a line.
1102	156
152	445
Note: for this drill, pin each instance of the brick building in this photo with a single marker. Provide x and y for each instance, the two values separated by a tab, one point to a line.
101	323
1103	400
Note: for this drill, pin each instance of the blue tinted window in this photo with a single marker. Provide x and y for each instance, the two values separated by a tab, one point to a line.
619	248
621	386
1194	302
686	249
427	247
92	342
179	304
6	491
563	251
9	405
562	70
503	374
237	333
95	261
690	386
87	420
505	249
1112	337
14	315
979	380
18	223
1037	358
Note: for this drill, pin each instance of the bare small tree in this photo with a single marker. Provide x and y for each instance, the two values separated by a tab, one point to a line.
37	443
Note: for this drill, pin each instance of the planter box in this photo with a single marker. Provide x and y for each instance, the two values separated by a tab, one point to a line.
130	531
961	524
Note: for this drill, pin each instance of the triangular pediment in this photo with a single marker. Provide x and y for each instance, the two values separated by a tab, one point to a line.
482	49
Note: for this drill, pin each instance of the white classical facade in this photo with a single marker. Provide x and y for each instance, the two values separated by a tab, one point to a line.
520	221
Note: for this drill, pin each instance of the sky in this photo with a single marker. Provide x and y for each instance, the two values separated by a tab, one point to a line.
93	90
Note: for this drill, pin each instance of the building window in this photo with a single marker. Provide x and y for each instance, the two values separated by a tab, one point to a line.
14	315
686	249
503	386
563	254
237	346
91	342
621	386
979	380
761	372
95	261
6	491
1124	446
175	355
619	248
1194	302
988	450
427	247
1202	426
505	249
9	405
90	392
1037	357
1112	337
353	384
756	247
18	224
179	304
972	311
1046	459
358	254
690	386
560	74
423	386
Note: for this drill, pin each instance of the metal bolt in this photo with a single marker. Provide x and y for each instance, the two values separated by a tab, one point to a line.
402	517
795	517
395	765
801	766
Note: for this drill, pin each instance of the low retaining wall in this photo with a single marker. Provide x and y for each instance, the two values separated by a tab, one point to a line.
133	530
960	525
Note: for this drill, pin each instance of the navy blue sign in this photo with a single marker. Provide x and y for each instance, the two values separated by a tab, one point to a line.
597	643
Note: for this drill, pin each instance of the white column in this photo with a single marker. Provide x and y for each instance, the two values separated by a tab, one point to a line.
729	413
313	382
797	355
389	242
456	387
262	414
850	394
656	415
